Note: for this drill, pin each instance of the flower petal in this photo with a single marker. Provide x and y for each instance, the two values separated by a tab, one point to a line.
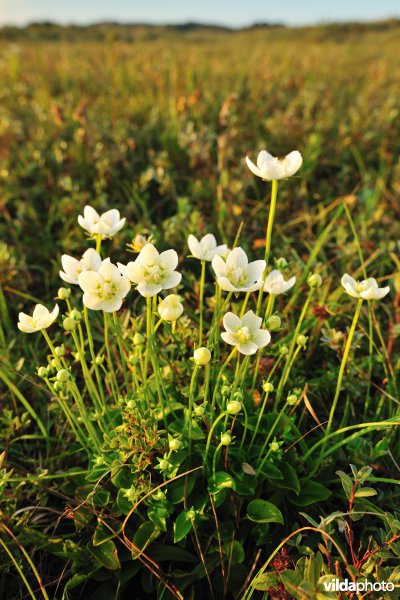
248	348
237	258
229	338
255	170
262	338
149	289
292	163
168	259
231	322
252	321
171	280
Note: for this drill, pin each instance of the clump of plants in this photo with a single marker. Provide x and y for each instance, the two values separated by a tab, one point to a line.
182	389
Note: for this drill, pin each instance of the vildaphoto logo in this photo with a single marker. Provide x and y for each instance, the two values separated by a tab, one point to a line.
346	585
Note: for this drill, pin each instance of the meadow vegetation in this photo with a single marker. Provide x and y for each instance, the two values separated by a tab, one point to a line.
146	451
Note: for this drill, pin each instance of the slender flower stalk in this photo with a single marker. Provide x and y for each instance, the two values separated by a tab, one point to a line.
341	370
201	300
268	238
269	435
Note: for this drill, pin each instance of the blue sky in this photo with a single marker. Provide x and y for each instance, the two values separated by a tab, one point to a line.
230	12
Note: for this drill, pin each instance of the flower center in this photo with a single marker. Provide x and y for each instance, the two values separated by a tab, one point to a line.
106	290
237	276
153	273
361	286
243	335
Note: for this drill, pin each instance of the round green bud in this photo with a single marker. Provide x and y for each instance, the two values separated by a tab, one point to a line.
138	339
314	280
99	461
291	399
131	404
226	439
225	390
133	360
175	444
99	359
273	323
233	407
53	363
64	293
202	356
283	349
302	340
60	351
75	314
43	372
199	411
77	356
191	514
267	387
63	375
69	324
274	446
164	464
57	386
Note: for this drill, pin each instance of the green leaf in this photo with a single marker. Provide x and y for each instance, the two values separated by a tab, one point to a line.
146	533
346	483
106	554
265	581
311	492
290	480
235	553
181	488
182	526
102	534
220	481
365	492
261	511
292	581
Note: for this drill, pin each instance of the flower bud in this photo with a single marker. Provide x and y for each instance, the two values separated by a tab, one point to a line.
274	322
63	375
191	514
131	404
77	356
60	351
234	407
291	399
63	293
164	464
281	263
99	359
202	356
43	372
225	390
75	314
199	411
99	461
283	349
174	444
302	340
133	360
69	324
314	280
267	387
138	339
226	439
274	446
57	386
53	363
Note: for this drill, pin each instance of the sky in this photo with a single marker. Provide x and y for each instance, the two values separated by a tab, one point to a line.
235	13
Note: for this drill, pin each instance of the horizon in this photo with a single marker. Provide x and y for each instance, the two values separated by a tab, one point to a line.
224	13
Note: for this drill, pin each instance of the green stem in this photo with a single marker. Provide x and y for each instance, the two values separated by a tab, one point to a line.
210	433
201	301
268	238
271	431
98	242
341	373
220	373
118	334
191	401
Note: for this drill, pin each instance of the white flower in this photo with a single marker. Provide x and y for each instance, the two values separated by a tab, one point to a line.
270	167
237	274
245	333
104	289
367	289
206	248
41	318
275	283
152	271
107	224
90	261
170	309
